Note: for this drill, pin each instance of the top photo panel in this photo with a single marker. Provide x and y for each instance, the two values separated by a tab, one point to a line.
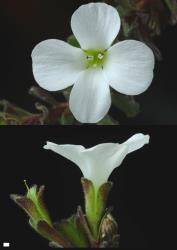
78	62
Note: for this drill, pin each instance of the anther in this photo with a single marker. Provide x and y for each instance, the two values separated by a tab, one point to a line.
90	58
100	56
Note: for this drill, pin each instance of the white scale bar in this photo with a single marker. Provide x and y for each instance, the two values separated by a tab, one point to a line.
6	244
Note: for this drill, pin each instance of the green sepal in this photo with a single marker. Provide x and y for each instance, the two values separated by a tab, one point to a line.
27	205
73	230
95	204
51	234
73	41
126	104
102	196
36	196
76	230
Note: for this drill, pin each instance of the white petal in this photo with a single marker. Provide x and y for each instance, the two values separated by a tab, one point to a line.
71	152
95	25
101	160
129	67
90	98
96	163
136	142
56	64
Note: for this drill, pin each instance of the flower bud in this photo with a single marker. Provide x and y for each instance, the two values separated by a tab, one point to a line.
33	204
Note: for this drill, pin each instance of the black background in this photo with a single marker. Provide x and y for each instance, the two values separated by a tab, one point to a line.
26	23
139	195
140	192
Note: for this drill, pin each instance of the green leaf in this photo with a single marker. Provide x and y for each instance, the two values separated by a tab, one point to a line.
126	104
43	95
67	93
108	120
125	7
172	5
73	41
2	121
66	119
13	109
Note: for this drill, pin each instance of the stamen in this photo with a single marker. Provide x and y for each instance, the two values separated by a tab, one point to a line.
95	58
90	58
26	185
100	56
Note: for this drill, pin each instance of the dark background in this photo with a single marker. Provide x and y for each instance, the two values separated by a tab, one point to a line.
26	23
139	195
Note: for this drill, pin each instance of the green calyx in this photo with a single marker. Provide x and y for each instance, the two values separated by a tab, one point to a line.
95	204
95	58
35	195
33	204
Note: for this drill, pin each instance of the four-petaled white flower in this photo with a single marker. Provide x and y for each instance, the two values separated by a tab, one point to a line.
127	66
97	163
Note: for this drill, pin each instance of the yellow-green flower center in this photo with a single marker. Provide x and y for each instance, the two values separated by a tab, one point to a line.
95	58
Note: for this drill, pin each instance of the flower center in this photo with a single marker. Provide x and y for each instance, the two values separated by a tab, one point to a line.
95	58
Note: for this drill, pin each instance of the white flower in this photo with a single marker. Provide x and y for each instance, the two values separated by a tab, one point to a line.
127	66
97	163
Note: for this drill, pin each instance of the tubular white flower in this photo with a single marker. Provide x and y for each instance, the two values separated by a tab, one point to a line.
97	163
127	66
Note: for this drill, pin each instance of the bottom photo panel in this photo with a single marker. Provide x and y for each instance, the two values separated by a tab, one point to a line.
84	187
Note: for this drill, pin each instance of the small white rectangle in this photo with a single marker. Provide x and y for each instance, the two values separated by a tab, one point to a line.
6	244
